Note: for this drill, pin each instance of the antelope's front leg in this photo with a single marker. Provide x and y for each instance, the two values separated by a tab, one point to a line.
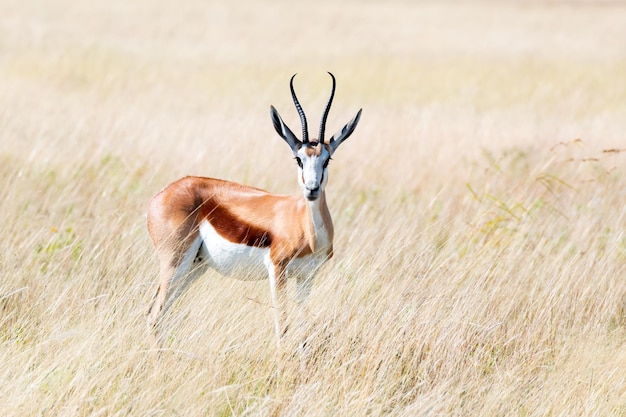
278	288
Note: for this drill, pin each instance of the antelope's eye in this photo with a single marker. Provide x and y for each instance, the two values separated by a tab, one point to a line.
299	161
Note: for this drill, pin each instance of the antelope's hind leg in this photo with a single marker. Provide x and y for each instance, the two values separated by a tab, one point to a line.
176	274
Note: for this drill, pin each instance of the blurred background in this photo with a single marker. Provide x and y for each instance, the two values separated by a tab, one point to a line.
479	206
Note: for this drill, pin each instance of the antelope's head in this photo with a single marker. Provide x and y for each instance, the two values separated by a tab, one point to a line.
312	155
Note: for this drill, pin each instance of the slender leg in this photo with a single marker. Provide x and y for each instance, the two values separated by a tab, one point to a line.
175	278
158	300
278	288
304	283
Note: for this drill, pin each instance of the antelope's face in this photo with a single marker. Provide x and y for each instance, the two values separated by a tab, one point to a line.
313	159
312	156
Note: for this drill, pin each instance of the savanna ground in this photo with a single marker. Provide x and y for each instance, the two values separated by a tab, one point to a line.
480	206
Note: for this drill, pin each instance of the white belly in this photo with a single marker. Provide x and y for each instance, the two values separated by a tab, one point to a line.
232	259
248	262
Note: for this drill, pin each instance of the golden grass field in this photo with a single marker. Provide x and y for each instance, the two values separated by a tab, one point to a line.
479	208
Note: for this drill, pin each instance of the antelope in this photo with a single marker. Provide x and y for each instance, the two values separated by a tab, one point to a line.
197	223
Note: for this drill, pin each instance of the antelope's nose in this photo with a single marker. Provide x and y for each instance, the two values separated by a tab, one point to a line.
312	185
312	195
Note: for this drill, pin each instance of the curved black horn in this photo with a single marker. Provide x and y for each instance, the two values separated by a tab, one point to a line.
305	129
330	101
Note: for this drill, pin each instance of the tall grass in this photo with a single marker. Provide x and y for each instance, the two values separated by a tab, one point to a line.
480	263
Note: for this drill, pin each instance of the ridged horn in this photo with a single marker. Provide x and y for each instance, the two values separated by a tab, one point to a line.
325	115
305	129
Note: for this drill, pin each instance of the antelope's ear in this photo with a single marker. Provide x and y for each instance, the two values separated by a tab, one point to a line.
344	133
283	130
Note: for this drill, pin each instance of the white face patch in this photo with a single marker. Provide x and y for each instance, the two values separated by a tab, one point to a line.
313	172
232	259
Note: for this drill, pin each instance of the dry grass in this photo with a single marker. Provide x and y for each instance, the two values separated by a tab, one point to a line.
479	208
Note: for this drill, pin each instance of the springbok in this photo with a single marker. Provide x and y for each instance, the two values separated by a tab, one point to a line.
198	223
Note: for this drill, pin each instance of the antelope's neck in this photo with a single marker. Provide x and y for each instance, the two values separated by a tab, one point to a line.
321	224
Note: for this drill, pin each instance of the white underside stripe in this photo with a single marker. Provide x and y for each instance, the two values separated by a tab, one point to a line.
247	262
232	259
